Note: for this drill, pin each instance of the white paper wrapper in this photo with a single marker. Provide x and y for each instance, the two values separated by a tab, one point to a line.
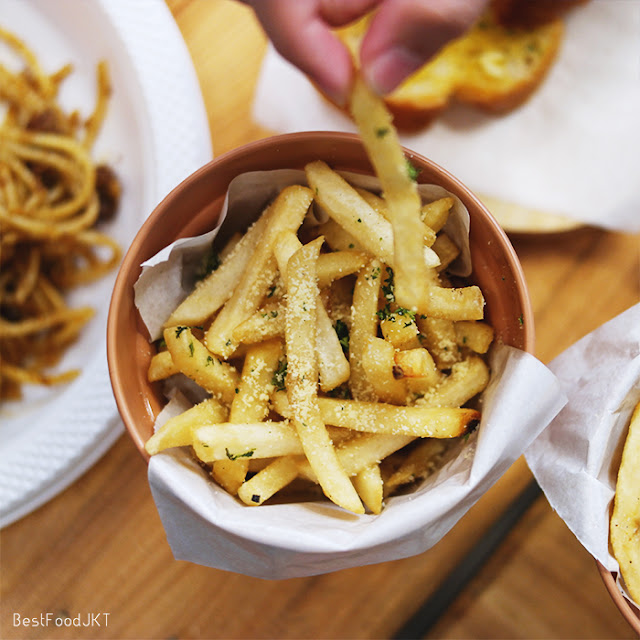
576	458
571	150
207	526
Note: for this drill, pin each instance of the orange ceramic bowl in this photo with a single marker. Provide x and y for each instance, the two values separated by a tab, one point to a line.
193	207
630	612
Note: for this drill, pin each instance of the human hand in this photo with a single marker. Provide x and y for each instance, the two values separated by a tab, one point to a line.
402	36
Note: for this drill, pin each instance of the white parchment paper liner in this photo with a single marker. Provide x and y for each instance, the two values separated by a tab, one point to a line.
570	150
207	526
576	458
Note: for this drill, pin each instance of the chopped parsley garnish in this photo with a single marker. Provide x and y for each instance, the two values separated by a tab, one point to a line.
235	456
388	287
343	334
412	171
191	349
210	262
278	379
381	132
179	330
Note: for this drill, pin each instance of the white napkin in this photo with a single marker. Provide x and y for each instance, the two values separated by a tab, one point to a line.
573	149
207	526
575	460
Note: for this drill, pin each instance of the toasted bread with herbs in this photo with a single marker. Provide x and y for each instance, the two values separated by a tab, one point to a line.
494	66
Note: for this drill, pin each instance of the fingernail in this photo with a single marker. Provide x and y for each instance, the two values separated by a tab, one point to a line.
384	73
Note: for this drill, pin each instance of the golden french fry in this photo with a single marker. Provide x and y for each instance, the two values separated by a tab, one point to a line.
476	336
302	378
378	361
463	303
446	249
333	366
241	442
380	139
377	417
269	481
251	401
345	205
624	529
415	363
399	328
214	290
266	323
435	214
161	367
337	237
364	326
250	404
178	431
439	337
286	214
360	452
368	484
467	379
423	459
193	359
338	264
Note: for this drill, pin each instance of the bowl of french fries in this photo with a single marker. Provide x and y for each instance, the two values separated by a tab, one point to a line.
306	323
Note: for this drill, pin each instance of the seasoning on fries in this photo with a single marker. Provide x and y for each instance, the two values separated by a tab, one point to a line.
335	353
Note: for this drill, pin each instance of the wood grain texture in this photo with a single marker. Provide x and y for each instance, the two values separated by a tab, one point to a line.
99	547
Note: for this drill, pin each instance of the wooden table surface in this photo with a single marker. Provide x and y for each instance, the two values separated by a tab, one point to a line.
99	547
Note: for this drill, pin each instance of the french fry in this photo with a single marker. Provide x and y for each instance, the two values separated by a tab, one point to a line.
333	366
161	367
251	401
400	329
467	379
463	303
193	359
286	214
446	249
241	442
360	452
476	336
378	417
345	205
435	214
377	203
439	337
214	290
250	404
378	361
364	325
421	462
178	431
624	532
337	237
302	378
269	481
415	363
338	264
368	484
380	139
266	323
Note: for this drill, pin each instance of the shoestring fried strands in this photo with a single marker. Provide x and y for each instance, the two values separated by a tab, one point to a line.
53	198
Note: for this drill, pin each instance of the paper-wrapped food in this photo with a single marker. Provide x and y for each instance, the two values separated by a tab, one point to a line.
291	534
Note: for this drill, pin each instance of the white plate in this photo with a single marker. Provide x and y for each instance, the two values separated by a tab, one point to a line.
155	135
